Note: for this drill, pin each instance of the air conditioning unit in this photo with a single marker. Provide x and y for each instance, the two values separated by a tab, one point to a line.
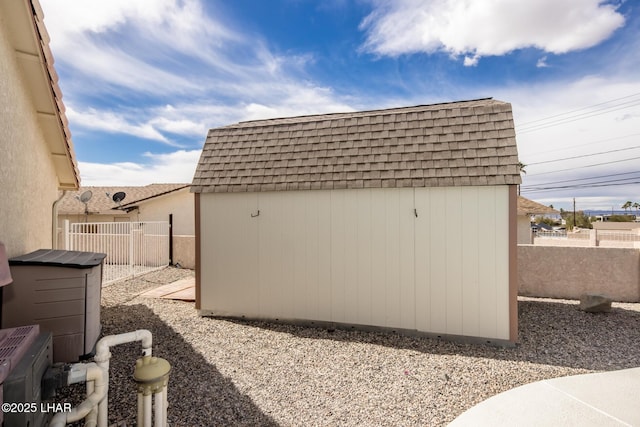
25	355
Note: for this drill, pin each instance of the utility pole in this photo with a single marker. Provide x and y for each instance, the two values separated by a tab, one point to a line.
574	212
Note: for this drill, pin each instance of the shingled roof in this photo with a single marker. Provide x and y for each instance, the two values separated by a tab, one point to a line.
466	143
529	207
101	202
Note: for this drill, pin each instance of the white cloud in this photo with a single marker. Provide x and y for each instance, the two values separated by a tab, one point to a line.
111	122
477	28
471	61
542	62
175	167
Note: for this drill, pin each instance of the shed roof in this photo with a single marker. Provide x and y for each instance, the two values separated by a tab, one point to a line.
450	144
101	201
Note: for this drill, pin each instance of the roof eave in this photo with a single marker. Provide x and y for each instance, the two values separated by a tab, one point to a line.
31	44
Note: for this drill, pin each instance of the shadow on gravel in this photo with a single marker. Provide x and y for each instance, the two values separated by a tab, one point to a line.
550	333
209	399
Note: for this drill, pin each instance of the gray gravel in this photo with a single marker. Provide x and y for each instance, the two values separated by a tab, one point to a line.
242	373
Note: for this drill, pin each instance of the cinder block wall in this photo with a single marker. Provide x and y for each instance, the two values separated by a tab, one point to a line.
184	251
568	272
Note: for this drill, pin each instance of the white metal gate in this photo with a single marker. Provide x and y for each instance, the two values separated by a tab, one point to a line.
132	248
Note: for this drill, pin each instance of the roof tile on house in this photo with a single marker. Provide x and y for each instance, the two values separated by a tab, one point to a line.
529	207
450	144
101	201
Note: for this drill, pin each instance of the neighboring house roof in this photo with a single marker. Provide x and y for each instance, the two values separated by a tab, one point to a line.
529	207
101	201
450	144
30	40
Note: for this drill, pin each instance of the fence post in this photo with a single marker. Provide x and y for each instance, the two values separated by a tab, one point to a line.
131	248
65	232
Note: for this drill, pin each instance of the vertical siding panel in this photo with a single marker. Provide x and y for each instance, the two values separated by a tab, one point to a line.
271	286
502	262
487	261
324	235
297	232
453	260
229	254
338	256
310	246
350	260
423	259
392	258
470	262
407	258
379	259
363	260
438	276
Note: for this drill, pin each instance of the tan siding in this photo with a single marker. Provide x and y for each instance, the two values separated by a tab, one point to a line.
423	258
392	256
454	267
438	278
470	262
406	289
338	255
363	257
229	250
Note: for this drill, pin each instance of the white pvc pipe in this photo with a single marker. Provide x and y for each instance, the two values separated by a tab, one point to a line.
89	372
159	405
102	360
92	416
146	422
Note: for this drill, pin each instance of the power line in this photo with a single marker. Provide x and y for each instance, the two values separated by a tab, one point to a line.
565	148
569	116
579	187
584	155
586	166
620	181
580	109
580	179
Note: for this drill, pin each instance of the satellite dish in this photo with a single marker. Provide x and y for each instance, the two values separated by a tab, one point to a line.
119	196
86	196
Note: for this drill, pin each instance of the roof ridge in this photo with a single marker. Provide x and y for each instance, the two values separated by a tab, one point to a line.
336	115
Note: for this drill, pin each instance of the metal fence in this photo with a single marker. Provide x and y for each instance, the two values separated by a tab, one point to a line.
132	248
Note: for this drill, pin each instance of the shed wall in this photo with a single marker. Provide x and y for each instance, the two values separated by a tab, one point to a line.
434	260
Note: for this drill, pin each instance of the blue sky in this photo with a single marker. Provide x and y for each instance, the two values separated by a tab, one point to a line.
143	80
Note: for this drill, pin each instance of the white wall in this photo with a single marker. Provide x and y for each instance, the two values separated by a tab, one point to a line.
28	182
361	257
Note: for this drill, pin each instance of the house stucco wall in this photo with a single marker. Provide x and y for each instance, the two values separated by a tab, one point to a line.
524	230
179	203
433	260
569	272
28	182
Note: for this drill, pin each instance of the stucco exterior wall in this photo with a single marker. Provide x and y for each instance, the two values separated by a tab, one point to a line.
179	203
434	260
27	178
569	272
184	248
524	230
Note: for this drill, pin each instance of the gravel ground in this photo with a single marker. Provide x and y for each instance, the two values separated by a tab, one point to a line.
247	373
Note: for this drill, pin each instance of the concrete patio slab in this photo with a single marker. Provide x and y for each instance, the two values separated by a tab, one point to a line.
600	399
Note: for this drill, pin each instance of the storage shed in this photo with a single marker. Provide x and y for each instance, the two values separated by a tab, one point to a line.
401	218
